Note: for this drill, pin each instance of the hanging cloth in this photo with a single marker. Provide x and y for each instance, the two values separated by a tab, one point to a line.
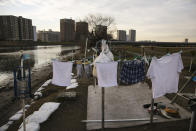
164	74
79	68
132	72
62	73
105	56
107	74
88	70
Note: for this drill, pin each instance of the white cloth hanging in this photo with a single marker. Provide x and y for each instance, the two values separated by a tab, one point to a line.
62	73
107	74
164	74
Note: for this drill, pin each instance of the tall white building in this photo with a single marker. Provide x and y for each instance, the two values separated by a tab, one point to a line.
121	35
132	35
34	33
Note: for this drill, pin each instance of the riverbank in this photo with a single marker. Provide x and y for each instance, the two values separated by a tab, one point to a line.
33	43
9	106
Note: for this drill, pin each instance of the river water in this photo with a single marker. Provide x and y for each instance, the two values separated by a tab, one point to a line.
39	56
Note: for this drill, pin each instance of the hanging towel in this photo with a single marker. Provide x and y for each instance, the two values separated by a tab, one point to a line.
79	68
132	72
62	73
107	74
164	74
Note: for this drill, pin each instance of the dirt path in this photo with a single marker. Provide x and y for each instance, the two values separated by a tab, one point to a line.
70	113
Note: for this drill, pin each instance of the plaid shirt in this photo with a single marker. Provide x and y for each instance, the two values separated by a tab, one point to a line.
132	72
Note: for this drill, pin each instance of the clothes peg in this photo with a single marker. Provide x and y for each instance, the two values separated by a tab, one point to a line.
180	51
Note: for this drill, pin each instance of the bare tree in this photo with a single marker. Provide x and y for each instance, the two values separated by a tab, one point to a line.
95	20
98	19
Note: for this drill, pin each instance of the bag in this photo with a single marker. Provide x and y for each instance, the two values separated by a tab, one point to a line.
94	71
105	56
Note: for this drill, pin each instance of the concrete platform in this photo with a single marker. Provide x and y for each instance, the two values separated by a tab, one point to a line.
125	102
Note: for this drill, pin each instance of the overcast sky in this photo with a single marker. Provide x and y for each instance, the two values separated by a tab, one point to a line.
160	20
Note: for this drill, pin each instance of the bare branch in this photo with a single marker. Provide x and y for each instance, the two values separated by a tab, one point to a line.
94	20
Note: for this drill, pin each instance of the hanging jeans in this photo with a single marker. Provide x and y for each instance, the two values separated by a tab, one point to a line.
88	70
79	68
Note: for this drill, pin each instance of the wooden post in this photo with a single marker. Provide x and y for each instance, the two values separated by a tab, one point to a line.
152	111
103	99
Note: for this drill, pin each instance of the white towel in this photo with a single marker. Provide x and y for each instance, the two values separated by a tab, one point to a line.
62	73
107	74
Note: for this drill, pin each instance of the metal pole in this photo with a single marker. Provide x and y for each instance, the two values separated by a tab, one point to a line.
23	107
192	121
152	111
103	99
118	120
181	89
72	55
15	84
23	95
86	47
94	82
191	64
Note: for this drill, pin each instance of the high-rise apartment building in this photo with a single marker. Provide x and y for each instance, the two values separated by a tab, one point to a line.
121	35
132	35
25	28
15	28
67	30
81	30
101	31
9	28
34	33
49	36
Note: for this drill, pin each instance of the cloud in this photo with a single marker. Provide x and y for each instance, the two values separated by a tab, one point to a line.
153	19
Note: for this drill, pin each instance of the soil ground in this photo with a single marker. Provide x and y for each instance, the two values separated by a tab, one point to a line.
70	113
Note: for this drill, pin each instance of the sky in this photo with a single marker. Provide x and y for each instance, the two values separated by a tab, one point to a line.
157	20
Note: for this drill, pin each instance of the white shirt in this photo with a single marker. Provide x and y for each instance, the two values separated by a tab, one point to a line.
62	73
164	74
107	74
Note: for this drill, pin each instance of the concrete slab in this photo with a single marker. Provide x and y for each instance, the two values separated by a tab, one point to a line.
124	102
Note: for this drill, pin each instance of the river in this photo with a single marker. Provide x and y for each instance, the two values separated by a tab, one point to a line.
39	56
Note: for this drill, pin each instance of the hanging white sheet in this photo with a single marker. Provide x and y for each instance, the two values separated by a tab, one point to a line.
107	74
62	73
